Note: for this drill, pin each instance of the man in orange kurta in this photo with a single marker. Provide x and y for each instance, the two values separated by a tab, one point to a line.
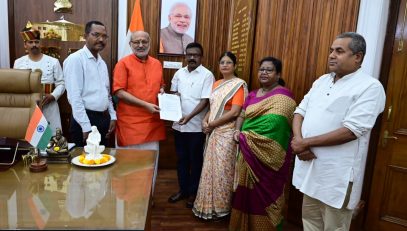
138	79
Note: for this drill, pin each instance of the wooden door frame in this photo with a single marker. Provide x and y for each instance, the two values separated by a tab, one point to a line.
375	136
11	28
388	42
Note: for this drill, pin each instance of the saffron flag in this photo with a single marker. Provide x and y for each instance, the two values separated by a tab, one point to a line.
136	24
38	133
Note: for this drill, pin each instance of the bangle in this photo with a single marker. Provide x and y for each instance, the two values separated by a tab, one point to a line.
236	131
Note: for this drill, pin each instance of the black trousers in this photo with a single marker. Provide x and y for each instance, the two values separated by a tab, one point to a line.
99	119
189	147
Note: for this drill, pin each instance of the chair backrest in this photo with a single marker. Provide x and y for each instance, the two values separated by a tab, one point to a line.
20	91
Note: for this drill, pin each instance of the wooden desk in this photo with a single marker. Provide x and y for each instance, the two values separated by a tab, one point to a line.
71	197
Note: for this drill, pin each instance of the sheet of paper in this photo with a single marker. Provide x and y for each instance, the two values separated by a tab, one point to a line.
170	107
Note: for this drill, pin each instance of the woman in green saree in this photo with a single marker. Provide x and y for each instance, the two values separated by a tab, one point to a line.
263	131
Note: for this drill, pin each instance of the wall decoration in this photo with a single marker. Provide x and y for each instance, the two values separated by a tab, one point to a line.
178	22
63	6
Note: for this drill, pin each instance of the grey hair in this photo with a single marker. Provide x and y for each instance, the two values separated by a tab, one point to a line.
177	4
358	43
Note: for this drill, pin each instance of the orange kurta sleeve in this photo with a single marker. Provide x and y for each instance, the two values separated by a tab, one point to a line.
120	74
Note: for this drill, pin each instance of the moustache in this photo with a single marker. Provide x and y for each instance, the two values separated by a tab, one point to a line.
192	61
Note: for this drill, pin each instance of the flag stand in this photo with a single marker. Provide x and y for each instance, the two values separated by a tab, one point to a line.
35	162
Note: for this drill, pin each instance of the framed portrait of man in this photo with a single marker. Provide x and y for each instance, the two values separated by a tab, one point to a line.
178	20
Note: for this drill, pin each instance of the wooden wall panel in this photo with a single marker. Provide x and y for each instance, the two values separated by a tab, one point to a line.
300	32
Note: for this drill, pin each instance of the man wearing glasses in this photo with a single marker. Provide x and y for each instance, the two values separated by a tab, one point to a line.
88	87
194	85
137	80
173	38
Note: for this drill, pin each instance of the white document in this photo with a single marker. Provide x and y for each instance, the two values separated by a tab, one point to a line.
170	107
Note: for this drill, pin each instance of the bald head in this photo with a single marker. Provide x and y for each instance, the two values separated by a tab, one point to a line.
140	44
141	33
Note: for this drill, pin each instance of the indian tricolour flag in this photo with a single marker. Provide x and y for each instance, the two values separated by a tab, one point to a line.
136	24
38	132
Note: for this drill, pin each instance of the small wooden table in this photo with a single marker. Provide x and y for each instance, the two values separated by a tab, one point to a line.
66	196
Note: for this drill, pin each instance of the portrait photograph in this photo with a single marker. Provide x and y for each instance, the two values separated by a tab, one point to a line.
177	25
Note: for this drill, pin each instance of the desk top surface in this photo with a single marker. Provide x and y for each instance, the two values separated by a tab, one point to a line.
66	196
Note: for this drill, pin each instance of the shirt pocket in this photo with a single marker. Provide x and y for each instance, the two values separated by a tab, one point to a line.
340	105
189	89
195	90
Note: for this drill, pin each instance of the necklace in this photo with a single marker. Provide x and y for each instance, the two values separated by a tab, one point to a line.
265	90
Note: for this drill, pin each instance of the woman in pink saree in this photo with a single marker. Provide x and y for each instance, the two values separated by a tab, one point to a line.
213	200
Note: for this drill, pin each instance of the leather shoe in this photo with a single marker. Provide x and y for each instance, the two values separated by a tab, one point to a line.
177	197
190	202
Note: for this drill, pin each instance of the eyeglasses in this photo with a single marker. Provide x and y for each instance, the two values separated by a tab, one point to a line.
141	42
98	35
193	55
268	71
225	62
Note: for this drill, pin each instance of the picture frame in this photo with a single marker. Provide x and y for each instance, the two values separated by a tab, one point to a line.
177	26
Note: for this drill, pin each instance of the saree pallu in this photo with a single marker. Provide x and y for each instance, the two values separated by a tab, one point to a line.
213	199
263	162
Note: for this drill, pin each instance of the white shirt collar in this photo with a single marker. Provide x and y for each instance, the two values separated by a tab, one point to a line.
346	77
89	54
198	69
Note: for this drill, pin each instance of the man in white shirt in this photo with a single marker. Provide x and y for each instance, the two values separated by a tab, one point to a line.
51	77
194	85
88	87
331	129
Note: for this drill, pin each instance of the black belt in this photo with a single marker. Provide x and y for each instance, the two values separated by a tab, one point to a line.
100	113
